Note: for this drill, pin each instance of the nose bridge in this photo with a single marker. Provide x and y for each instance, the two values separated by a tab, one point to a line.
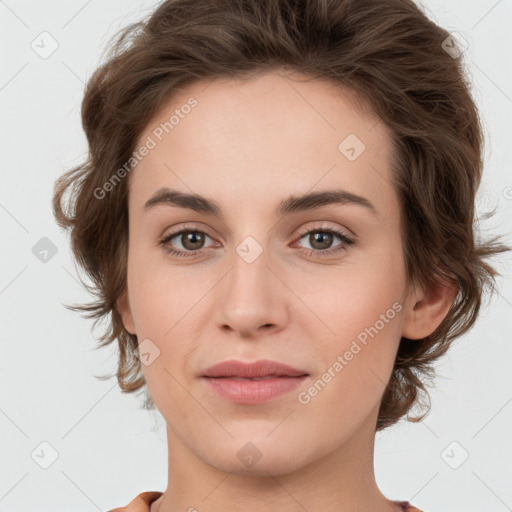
250	294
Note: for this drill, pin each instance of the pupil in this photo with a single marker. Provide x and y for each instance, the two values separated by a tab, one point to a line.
325	239
193	238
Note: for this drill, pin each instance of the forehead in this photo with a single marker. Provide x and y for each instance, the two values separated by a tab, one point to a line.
261	138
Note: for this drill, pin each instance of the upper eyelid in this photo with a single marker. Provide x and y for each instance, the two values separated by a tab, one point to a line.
301	231
325	227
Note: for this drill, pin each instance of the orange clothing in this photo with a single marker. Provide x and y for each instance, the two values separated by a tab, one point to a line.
142	502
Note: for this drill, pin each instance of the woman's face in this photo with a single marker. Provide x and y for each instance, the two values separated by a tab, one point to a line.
266	276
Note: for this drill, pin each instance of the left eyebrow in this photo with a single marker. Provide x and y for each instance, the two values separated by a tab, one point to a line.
315	200
292	204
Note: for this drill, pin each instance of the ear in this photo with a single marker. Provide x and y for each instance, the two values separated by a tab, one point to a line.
426	309
123	305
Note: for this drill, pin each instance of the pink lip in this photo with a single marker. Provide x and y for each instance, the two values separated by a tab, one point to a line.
253	391
261	368
224	379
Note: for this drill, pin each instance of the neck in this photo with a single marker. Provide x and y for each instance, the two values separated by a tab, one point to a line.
342	480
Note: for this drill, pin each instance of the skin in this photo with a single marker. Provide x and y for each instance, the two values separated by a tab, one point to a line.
248	145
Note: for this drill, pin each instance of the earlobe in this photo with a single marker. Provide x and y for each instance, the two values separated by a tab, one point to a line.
126	314
427	309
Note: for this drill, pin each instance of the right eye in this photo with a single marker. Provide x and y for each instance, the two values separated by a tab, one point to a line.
190	239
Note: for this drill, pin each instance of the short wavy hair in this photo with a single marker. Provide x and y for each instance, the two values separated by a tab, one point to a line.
402	66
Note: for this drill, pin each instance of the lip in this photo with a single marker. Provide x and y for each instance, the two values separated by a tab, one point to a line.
225	379
252	392
261	368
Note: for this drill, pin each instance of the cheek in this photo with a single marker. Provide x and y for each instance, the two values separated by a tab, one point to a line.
160	312
159	291
362	310
353	296
164	302
357	364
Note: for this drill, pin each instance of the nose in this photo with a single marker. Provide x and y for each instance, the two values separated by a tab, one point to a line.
251	299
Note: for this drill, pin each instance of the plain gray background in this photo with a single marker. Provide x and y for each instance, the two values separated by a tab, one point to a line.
106	448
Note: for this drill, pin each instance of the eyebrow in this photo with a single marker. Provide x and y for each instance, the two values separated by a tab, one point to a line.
292	204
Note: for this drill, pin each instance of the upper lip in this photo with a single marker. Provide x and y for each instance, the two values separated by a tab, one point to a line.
262	368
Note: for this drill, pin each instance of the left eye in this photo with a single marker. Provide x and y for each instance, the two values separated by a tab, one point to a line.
324	238
318	237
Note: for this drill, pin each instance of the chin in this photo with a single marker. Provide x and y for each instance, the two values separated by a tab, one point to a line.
257	457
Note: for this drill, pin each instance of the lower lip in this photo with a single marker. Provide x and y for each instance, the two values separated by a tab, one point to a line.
253	391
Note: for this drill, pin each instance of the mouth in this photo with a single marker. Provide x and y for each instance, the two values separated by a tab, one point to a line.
253	383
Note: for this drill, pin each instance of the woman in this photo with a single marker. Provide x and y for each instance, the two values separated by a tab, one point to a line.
277	213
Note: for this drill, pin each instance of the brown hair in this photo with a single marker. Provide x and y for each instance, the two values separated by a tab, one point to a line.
387	51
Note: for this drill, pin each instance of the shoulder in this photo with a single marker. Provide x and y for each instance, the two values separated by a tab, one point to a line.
407	507
411	508
140	503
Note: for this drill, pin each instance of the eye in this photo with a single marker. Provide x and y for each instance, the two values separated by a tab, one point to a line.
321	238
190	238
192	241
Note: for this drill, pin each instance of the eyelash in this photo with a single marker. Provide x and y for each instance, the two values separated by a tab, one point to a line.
346	241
